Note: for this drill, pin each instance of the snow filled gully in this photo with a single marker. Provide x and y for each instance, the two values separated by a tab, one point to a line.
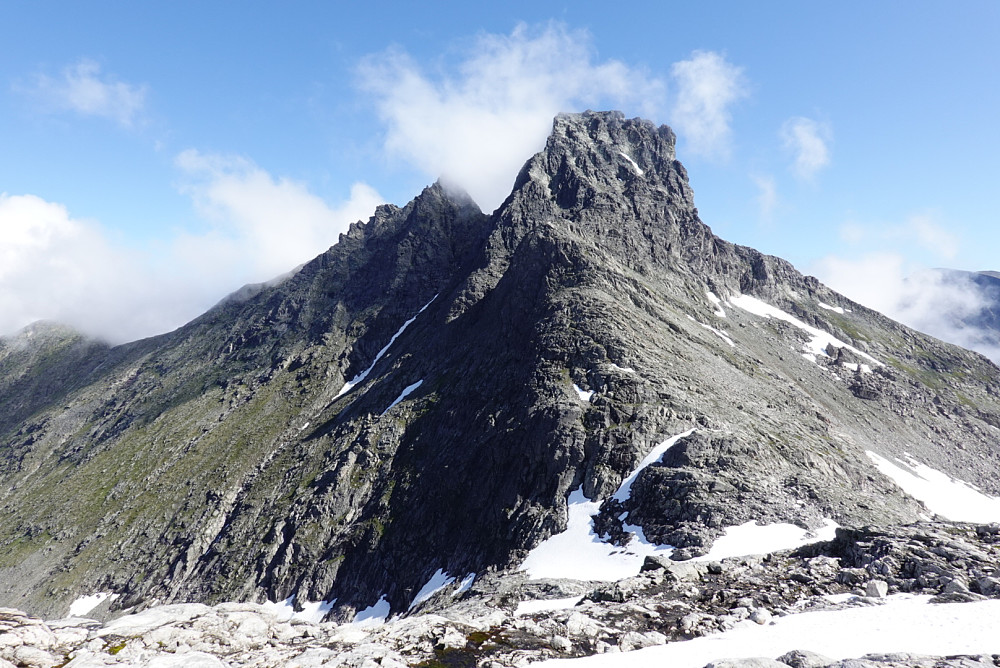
581	554
360	378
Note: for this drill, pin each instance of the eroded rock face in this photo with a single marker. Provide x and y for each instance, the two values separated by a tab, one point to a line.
228	461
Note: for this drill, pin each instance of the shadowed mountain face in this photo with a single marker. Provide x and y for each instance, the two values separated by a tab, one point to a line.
225	460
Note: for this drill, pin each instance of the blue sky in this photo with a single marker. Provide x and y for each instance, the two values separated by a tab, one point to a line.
157	156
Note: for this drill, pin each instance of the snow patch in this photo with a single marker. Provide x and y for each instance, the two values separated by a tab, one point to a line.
851	366
438	581
635	165
373	615
532	607
722	335
712	297
465	585
85	604
626	369
820	339
903	623
364	374
584	395
402	395
954	499
835	309
312	611
752	538
580	554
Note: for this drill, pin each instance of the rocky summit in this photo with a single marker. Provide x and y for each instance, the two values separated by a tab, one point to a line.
418	404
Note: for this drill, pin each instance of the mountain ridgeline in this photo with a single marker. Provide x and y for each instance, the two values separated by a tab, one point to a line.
225	460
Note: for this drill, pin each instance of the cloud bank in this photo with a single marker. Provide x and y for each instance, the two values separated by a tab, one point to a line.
56	267
476	122
938	302
82	89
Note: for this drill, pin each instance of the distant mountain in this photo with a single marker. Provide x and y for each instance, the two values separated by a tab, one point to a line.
419	402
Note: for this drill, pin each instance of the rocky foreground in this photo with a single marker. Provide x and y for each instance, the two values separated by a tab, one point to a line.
509	621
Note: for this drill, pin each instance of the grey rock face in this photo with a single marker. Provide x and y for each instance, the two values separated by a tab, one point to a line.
876	589
226	461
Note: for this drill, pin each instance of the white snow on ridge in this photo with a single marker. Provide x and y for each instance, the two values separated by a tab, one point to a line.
854	367
956	500
820	341
580	554
903	624
465	585
85	604
402	395
635	165
364	374
312	611
373	615
626	369
835	309
722	335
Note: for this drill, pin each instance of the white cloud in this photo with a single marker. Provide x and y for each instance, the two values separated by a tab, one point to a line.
708	86
808	141
476	124
767	195
927	300
271	224
83	89
53	266
938	302
56	267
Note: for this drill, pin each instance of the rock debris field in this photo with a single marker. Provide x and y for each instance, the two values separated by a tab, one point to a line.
934	586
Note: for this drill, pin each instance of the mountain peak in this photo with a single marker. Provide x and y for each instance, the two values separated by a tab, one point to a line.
594	158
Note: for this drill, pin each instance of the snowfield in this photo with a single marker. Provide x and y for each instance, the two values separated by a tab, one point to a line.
902	624
953	499
579	553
